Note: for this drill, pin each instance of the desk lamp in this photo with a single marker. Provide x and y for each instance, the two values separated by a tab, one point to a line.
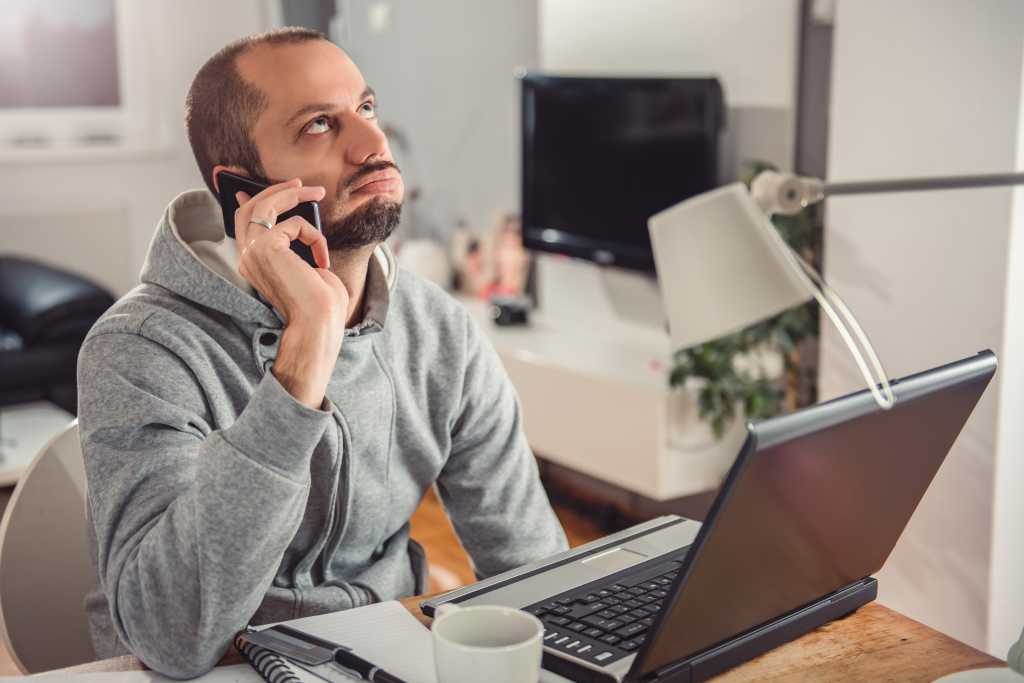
723	241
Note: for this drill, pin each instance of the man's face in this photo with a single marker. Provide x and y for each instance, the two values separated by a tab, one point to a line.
320	125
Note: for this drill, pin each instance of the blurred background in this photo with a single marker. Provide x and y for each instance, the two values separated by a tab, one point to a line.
92	148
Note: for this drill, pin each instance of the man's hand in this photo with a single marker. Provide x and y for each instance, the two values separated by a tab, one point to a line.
313	301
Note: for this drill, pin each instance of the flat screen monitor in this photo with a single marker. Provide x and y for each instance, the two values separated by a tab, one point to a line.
601	155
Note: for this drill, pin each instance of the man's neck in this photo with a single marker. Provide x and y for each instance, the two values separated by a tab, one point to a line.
351	267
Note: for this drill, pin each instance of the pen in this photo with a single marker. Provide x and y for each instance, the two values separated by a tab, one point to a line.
367	671
313	648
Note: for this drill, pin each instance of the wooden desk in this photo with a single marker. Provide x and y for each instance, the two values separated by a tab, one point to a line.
872	644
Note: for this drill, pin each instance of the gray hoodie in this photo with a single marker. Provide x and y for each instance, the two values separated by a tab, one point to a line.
1015	660
217	500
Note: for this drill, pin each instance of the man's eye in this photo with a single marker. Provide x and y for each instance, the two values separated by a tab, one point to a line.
368	110
318	126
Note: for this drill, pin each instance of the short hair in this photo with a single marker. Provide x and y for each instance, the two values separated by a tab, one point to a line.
221	107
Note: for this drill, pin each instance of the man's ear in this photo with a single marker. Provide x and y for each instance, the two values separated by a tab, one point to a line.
237	170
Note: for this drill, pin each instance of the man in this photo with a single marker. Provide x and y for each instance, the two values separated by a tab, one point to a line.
256	432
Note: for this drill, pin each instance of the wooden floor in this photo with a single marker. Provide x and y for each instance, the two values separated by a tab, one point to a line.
449	565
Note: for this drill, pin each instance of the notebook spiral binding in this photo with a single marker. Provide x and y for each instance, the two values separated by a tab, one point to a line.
271	666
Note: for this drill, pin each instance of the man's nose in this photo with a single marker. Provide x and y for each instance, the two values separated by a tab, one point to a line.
366	142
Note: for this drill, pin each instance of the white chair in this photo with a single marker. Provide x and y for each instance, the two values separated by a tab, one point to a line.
45	568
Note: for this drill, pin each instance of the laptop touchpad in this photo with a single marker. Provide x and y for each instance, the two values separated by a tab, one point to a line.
614	560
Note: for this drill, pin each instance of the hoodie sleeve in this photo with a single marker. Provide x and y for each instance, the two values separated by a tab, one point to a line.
490	484
1015	659
191	523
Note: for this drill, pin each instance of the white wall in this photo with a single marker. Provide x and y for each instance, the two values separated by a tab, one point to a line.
927	87
95	211
750	46
1006	590
444	75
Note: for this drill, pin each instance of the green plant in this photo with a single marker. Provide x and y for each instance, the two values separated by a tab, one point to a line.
793	334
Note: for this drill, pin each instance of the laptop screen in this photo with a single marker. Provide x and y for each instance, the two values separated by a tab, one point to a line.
815	501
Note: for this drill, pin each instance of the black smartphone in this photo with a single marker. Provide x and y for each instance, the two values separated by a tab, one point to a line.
228	184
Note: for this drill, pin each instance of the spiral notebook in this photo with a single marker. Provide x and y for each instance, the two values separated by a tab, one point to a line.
272	667
372	632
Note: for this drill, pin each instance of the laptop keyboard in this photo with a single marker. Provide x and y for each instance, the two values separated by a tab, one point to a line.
606	620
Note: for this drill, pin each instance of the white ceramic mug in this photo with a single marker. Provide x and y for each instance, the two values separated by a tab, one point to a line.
486	643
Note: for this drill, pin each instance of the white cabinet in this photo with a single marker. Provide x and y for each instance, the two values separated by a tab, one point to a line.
595	398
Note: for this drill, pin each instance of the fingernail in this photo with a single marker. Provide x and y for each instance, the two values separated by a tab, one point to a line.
238	197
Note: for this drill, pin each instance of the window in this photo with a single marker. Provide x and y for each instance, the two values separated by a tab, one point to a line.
58	53
61	78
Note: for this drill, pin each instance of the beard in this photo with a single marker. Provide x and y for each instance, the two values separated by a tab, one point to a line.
371	223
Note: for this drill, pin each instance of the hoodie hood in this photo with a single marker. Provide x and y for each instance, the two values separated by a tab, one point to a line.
191	256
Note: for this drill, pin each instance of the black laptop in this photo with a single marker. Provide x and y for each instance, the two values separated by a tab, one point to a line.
810	509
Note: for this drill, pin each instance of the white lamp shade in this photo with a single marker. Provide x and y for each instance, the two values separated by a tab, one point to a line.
720	266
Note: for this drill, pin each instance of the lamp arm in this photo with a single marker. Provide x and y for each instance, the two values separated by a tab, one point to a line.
853	335
788	194
957	182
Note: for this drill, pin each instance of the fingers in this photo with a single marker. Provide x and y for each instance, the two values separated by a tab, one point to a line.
277	187
269	207
295	228
284	200
271	203
242	237
298	228
246	204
